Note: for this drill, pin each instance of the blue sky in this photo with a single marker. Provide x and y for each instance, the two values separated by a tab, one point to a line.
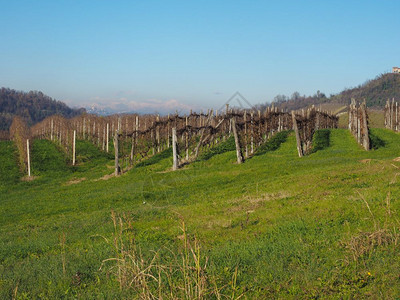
167	55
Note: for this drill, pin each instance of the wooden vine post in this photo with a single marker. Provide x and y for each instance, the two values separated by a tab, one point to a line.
132	150
117	170
246	150
239	154
152	138
104	139
168	132
259	127
136	128
73	148
51	130
186	139
396	124
107	136
28	157
392	115
84	128
252	132
366	142
175	160
296	131
158	133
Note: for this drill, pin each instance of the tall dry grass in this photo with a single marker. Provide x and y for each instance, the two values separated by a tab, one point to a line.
384	233
183	275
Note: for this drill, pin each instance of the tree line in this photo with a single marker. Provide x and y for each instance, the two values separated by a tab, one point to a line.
32	107
375	93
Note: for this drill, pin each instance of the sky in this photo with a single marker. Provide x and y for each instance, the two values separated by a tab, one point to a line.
162	56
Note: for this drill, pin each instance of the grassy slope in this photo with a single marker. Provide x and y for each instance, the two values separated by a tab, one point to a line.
285	222
9	172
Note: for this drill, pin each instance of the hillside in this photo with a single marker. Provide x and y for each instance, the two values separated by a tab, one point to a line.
33	107
375	92
276	227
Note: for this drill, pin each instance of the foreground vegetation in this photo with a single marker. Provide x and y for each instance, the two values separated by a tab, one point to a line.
325	225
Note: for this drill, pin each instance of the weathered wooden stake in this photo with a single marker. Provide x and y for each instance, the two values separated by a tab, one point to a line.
259	127
365	127
84	128
187	140
136	128
296	131
73	148
245	135
29	158
98	136
174	150
132	149
152	138
88	127
239	154
117	170
104	139
158	133
168	132
51	130
397	128
107	136
252	132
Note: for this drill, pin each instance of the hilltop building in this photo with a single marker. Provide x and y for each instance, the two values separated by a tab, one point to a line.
396	70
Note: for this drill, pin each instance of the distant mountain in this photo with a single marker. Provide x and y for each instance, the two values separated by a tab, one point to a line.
375	92
103	110
120	109
100	110
33	107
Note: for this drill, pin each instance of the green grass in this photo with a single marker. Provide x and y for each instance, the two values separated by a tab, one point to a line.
9	171
167	153
221	147
375	141
290	225
321	139
273	143
47	160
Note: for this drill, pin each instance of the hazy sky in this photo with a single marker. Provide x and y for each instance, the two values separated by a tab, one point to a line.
167	55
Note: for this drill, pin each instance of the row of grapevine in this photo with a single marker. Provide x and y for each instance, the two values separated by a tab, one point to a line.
358	123
136	137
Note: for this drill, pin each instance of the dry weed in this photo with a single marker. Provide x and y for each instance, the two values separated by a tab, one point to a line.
183	276
384	234
364	243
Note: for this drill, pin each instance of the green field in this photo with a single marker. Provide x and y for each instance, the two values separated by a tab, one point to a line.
278	226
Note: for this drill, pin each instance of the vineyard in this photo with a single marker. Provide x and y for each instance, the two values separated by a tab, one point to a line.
134	138
238	205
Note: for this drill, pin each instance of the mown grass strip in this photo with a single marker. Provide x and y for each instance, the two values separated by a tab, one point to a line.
226	146
47	159
375	141
167	153
321	139
9	171
273	143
